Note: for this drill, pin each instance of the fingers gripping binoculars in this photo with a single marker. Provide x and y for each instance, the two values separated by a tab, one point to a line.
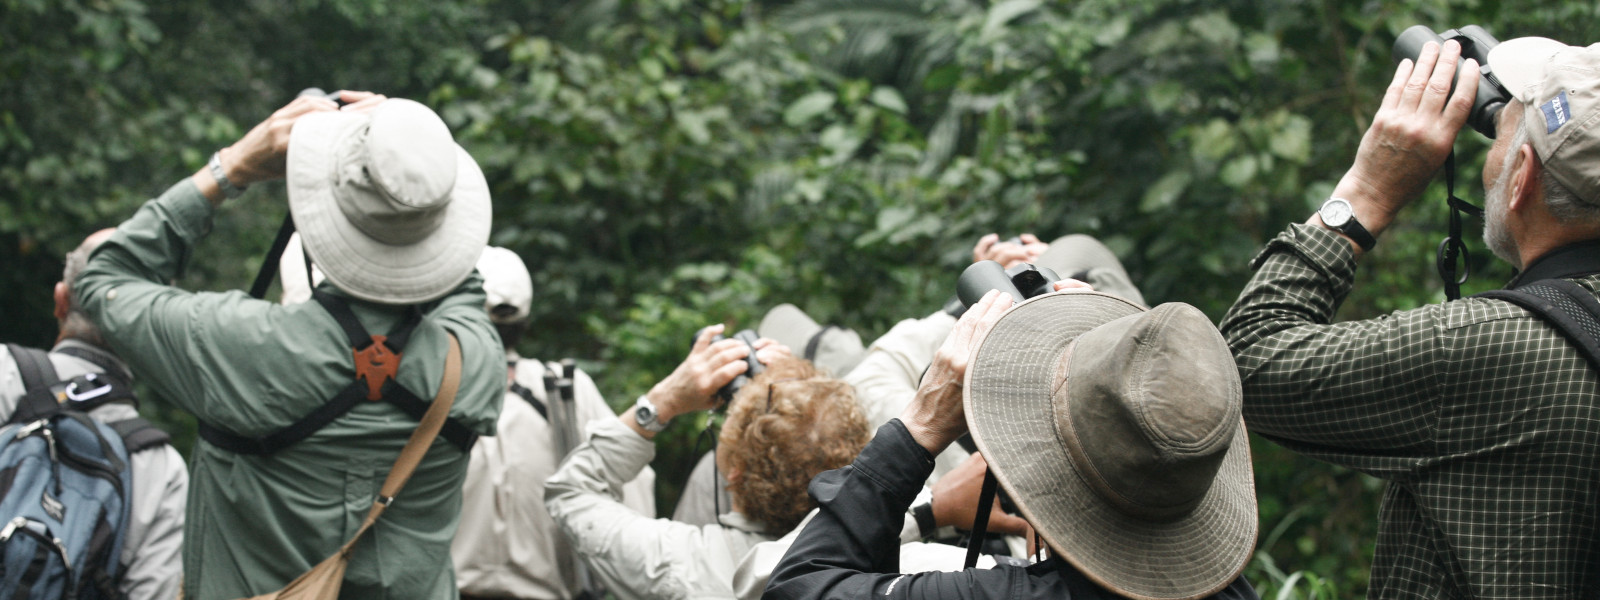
753	367
1475	44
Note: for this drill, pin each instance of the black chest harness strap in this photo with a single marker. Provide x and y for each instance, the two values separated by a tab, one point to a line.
1546	290
376	360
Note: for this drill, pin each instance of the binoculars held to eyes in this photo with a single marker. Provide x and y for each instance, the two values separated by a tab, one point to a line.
1023	281
1475	44
753	367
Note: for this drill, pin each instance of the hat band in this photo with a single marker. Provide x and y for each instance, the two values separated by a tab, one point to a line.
1086	470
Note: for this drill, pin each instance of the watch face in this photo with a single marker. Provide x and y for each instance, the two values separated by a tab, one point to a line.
1335	213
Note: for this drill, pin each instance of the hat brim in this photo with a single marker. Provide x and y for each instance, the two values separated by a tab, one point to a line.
1520	64
788	325
1008	390
364	267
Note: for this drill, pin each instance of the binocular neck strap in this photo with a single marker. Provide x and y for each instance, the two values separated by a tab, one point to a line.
1452	259
269	267
980	521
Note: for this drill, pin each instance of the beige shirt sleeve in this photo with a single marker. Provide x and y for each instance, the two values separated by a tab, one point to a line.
886	379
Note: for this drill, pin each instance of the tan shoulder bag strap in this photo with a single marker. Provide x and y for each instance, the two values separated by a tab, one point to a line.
322	582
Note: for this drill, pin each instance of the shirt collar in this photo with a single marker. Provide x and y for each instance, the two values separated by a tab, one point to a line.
104	357
1571	260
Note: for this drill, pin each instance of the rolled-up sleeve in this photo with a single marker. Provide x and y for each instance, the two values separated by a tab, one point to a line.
1360	393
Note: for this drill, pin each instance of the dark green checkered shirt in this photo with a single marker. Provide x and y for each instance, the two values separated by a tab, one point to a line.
1482	418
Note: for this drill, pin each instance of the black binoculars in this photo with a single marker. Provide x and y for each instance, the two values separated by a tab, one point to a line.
1023	281
753	367
1475	44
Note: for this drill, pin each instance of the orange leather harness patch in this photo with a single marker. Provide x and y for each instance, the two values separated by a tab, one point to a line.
377	364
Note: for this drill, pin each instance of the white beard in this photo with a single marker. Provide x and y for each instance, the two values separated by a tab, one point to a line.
1495	234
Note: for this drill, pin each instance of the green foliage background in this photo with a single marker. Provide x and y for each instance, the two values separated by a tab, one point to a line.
664	164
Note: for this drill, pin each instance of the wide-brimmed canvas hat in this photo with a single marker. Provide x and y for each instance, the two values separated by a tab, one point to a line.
388	206
1117	432
1084	257
833	348
1559	88
506	283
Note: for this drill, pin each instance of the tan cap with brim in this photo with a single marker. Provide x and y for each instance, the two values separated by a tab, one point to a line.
1117	432
833	348
387	205
1559	88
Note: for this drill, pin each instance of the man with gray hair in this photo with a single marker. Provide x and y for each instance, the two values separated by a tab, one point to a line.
1479	413
151	559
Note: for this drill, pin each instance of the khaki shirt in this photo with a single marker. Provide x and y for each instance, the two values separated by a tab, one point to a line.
507	545
250	366
634	555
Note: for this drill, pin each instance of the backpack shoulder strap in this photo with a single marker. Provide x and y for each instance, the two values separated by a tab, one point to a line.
35	367
138	434
38	378
1567	306
527	395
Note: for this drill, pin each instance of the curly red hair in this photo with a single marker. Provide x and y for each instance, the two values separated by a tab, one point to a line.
813	424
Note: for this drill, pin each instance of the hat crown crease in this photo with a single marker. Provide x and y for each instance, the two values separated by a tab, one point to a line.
1136	417
396	173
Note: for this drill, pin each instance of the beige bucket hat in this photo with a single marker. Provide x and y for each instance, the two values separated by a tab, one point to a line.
1559	88
1083	256
833	348
1116	430
388	206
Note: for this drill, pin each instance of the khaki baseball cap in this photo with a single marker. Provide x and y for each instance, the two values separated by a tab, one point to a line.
1559	88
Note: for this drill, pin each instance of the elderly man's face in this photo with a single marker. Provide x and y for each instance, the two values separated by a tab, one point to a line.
1497	186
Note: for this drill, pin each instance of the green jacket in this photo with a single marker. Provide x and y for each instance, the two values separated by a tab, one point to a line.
251	366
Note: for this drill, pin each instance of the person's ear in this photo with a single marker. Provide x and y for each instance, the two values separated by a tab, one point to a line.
63	300
733	475
1526	187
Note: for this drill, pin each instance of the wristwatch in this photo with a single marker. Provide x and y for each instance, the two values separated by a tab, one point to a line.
1337	214
229	190
646	415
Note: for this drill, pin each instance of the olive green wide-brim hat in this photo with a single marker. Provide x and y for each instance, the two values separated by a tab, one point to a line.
1117	432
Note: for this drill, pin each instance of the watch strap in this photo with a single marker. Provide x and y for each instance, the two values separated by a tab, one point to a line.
1353	229
229	190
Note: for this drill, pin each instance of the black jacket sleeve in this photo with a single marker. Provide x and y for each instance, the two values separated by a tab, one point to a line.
850	549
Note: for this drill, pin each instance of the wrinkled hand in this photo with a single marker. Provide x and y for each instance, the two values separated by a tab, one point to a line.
708	367
955	501
262	153
1008	254
1410	136
935	416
